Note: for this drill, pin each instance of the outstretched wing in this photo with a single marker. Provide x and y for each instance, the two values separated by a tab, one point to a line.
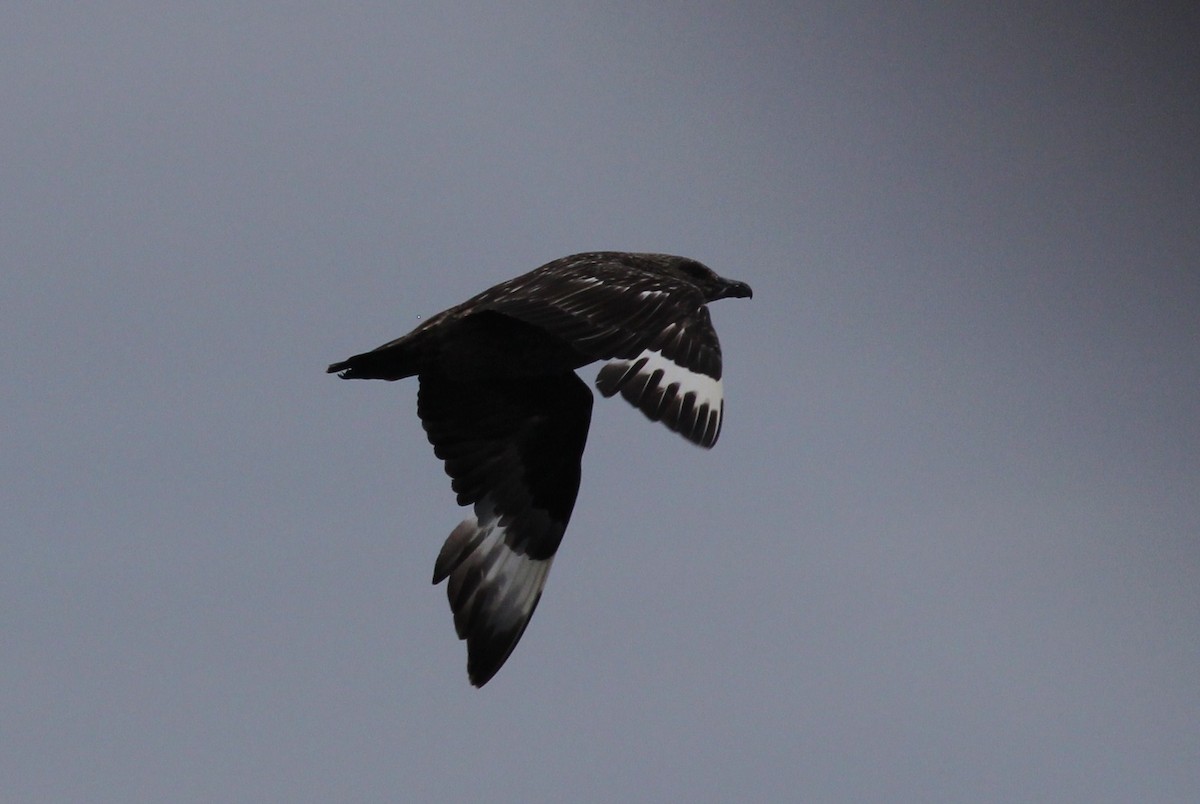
512	447
656	329
674	382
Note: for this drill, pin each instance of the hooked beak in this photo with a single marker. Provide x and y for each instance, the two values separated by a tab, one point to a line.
736	290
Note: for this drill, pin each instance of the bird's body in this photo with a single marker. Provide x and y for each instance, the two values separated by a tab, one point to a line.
501	403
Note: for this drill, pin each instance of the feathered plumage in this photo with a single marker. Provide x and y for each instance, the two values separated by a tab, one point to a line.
501	403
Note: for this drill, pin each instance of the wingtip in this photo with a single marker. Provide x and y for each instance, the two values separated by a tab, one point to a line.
479	679
493	591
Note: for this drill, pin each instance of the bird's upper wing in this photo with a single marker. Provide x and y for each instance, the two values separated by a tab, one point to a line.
656	330
512	447
604	308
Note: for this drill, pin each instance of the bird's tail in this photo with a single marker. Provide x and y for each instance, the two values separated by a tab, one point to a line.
392	361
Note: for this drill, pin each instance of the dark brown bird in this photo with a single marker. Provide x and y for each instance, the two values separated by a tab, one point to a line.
501	403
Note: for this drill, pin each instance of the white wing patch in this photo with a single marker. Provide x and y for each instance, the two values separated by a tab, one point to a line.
493	589
689	402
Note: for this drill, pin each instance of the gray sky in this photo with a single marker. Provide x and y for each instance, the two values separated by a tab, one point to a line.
947	549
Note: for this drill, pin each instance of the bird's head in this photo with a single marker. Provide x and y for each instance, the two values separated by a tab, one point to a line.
696	273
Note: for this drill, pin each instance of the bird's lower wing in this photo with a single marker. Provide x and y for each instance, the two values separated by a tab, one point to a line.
512	447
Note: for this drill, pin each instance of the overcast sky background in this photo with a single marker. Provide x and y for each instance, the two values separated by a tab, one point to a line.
948	547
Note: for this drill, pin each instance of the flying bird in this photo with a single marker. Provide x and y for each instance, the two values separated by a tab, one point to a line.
504	409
